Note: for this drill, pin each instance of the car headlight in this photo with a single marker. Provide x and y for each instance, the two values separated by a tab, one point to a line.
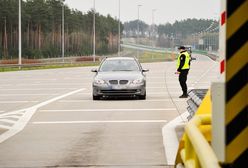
138	81
99	82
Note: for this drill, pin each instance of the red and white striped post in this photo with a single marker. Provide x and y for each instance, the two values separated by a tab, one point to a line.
218	92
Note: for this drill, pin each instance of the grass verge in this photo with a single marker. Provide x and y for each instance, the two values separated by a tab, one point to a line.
156	57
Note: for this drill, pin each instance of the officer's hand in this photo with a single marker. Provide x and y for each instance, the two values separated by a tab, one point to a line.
177	72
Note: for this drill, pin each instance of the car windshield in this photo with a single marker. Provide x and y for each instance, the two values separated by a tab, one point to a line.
119	65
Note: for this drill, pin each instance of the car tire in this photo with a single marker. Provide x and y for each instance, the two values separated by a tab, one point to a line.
142	97
96	97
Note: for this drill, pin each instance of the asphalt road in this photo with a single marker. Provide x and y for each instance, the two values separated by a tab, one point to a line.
48	118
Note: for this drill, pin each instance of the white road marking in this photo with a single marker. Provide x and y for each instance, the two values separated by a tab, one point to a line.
154	77
31	94
27	79
155	87
74	101
174	87
170	139
142	101
191	88
173	82
148	93
110	110
84	93
78	78
99	122
162	93
14	117
8	121
148	82
57	98
37	89
178	99
7	102
48	84
5	127
29	112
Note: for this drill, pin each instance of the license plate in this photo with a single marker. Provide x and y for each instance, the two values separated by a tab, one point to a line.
118	87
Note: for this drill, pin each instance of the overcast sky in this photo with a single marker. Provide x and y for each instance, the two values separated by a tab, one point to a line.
166	10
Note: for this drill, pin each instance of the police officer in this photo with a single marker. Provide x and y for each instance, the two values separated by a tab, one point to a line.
183	66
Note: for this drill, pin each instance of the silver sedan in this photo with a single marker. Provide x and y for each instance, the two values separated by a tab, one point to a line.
119	76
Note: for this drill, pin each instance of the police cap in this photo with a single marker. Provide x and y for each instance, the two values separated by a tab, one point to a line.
181	48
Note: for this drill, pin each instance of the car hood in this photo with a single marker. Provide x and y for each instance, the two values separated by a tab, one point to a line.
119	75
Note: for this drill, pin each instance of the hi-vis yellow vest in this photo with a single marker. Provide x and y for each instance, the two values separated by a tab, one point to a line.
187	60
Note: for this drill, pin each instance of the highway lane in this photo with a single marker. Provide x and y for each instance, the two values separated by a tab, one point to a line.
26	88
75	131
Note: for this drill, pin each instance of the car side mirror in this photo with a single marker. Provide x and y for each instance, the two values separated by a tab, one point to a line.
145	70
94	70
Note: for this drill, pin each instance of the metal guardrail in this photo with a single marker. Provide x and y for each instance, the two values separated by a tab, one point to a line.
27	65
197	152
43	64
195	98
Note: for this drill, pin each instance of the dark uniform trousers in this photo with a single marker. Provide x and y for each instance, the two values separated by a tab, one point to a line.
182	79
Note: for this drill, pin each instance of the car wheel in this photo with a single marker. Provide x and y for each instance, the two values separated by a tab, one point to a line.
142	97
96	97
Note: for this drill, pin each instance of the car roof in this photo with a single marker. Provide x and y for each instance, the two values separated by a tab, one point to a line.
120	58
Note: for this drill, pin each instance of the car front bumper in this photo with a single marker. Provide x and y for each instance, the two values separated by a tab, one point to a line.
119	90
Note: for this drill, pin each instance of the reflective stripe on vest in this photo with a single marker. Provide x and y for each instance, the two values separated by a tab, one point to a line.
187	59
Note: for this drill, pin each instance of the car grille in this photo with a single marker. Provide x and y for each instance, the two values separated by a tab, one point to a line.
113	82
116	82
122	92
123	82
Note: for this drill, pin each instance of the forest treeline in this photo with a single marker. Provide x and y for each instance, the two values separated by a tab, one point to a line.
188	31
181	28
42	28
